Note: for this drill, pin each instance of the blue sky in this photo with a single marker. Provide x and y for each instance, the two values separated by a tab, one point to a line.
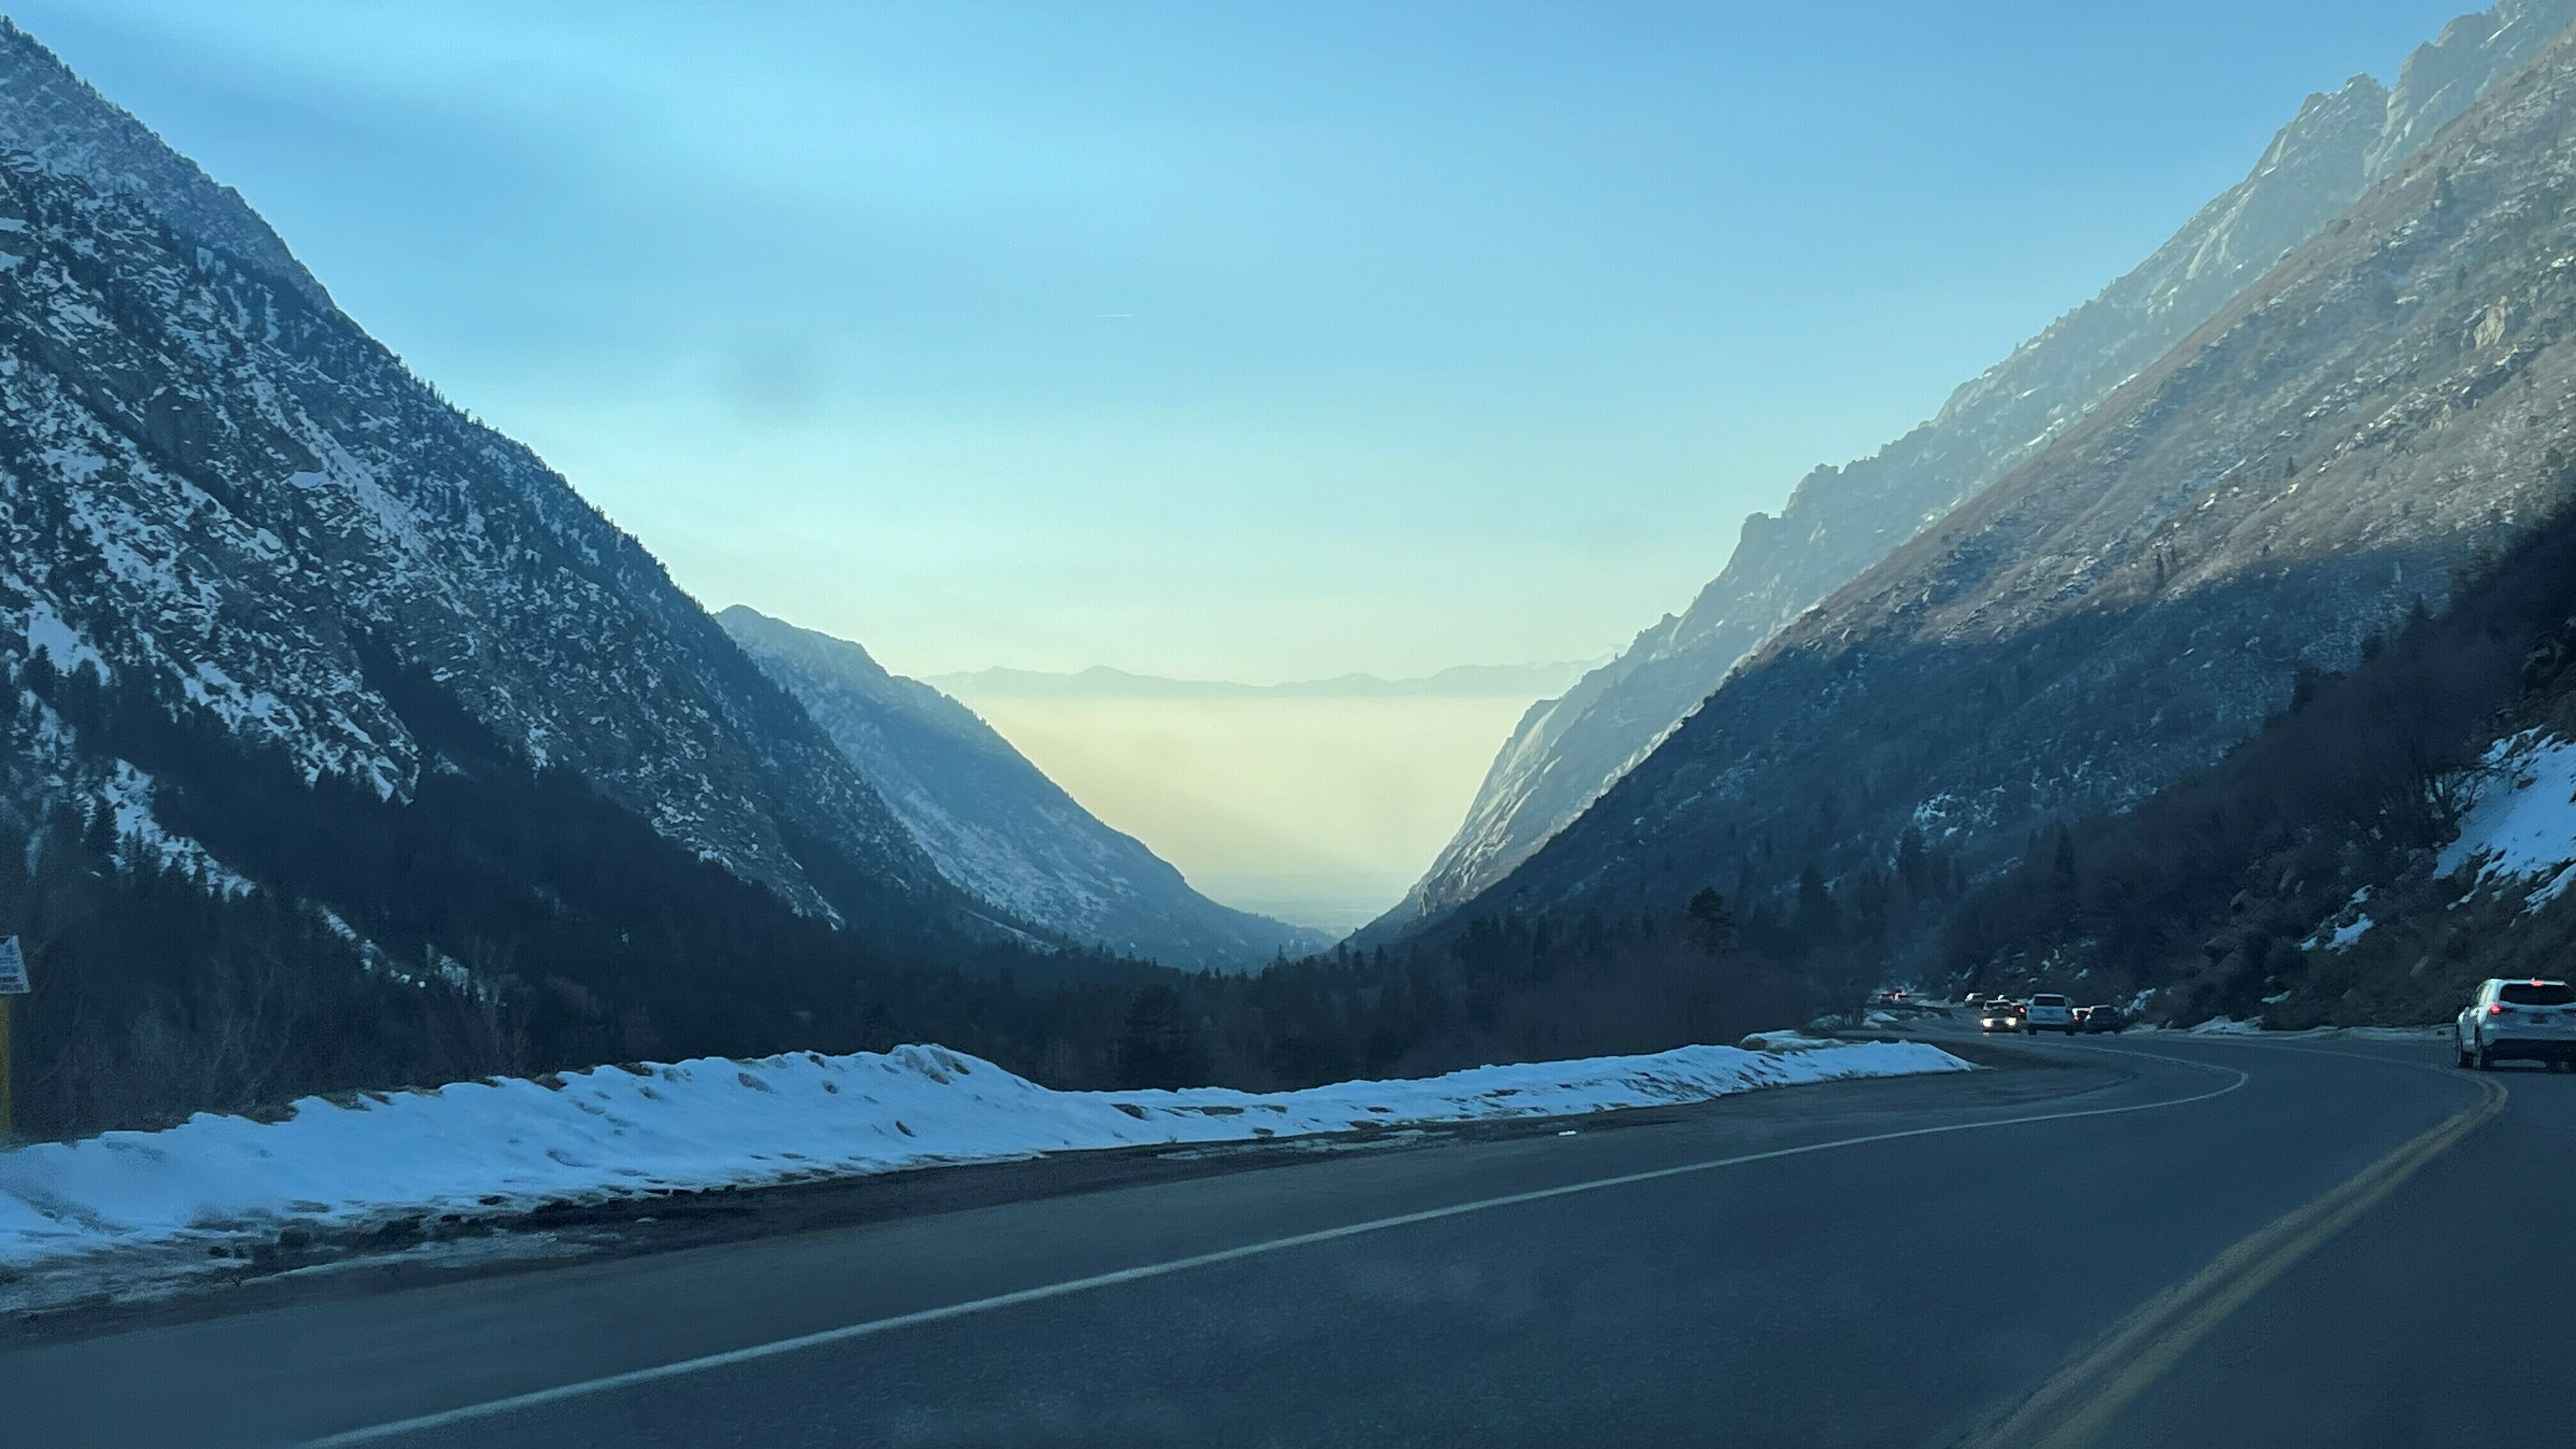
1247	340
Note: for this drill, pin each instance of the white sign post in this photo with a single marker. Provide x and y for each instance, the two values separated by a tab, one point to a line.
13	982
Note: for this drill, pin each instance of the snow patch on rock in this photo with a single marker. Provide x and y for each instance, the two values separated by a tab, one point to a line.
2520	824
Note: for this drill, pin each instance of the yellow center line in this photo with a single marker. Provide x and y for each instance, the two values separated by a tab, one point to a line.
610	1383
2080	1400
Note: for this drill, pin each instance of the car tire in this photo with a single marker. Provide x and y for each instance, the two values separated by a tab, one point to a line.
2463	1054
2486	1060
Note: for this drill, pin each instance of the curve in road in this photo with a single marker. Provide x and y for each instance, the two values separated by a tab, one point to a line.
1865	1263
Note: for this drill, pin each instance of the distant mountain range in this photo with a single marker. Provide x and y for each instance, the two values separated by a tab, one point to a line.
1840	521
1463	681
997	827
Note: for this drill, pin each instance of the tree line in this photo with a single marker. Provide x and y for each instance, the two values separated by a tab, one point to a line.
502	920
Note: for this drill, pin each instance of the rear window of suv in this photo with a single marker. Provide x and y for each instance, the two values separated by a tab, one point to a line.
2536	993
2048	1001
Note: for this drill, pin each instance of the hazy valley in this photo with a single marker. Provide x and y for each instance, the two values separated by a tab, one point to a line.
1316	802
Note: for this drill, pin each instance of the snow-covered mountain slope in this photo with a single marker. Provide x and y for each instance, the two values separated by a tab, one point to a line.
995	825
2393	402
245	515
1840	521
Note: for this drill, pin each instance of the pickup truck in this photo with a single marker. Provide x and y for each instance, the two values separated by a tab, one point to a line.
2049	1013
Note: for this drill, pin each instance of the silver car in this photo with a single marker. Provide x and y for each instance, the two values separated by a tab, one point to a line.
2533	1021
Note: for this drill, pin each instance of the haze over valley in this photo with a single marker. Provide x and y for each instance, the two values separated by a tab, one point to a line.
1318	802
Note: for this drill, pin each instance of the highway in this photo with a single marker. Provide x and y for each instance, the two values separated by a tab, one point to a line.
2151	1240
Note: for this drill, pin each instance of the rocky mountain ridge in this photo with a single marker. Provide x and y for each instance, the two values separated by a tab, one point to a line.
1839	521
2389	405
225	504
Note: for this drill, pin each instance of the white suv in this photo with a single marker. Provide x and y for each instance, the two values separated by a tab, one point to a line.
2533	1020
2050	1013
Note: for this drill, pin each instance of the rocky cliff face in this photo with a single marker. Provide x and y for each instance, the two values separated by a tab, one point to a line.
227	506
2391	400
1839	521
997	827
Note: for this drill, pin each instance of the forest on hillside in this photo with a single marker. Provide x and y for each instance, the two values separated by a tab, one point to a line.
2208	892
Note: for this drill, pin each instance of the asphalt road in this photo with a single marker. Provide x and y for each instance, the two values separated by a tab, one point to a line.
1744	1273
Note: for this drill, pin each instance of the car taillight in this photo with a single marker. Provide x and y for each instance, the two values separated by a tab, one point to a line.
2496	1010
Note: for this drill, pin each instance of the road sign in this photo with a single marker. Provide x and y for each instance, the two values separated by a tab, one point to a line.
13	982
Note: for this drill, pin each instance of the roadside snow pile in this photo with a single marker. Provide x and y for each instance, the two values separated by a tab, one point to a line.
1783	1041
2520	824
482	1148
2223	1026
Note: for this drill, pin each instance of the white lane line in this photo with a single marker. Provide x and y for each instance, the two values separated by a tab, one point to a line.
469	1413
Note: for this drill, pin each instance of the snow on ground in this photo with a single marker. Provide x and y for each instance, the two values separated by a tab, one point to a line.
2224	1026
2520	824
484	1148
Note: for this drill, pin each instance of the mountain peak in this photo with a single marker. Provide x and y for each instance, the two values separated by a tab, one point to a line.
66	126
1840	520
2333	449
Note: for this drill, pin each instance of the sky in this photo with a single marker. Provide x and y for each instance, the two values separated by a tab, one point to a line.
1225	340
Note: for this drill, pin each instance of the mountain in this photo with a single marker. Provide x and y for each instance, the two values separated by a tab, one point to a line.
997	827
1459	681
343	744
2389	408
1839	521
232	500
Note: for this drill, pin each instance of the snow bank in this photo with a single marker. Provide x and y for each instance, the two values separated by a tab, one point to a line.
2225	1026
2520	824
507	1145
